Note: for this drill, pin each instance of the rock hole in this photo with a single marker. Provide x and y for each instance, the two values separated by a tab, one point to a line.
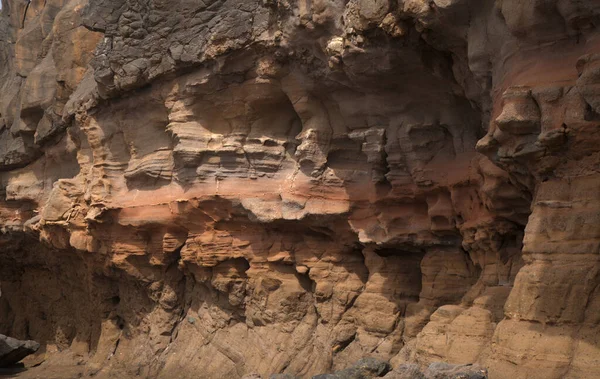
590	114
270	143
344	344
115	300
386	252
120	322
306	282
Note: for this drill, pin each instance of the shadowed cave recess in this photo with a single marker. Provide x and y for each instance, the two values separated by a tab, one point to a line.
225	187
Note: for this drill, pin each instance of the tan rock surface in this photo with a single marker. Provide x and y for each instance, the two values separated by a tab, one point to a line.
223	188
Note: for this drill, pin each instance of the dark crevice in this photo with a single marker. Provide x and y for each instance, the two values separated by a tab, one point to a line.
25	13
115	300
344	344
590	114
395	252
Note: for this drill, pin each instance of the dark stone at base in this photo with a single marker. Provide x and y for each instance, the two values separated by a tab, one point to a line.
406	371
368	368
13	350
363	369
438	370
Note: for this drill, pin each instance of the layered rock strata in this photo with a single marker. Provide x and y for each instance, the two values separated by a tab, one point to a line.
216	188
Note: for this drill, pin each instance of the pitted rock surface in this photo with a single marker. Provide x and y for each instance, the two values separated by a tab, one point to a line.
221	188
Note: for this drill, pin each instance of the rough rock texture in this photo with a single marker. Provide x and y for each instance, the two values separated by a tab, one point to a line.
363	369
13	350
368	368
438	370
223	187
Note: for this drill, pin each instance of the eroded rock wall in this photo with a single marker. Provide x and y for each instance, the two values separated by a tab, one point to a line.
218	188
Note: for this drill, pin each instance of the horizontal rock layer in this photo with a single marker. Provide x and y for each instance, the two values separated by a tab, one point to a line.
219	188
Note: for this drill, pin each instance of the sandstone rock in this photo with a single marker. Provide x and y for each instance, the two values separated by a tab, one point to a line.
231	188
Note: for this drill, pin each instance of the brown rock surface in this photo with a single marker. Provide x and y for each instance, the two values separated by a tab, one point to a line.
230	187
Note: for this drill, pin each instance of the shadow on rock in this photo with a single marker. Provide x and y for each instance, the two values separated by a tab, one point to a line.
13	350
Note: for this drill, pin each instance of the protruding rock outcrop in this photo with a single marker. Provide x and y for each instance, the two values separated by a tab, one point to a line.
280	186
12	350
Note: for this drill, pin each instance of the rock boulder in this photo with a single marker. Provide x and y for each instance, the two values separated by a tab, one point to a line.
13	350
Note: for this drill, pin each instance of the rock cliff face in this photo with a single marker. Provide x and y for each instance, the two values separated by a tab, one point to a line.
222	187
